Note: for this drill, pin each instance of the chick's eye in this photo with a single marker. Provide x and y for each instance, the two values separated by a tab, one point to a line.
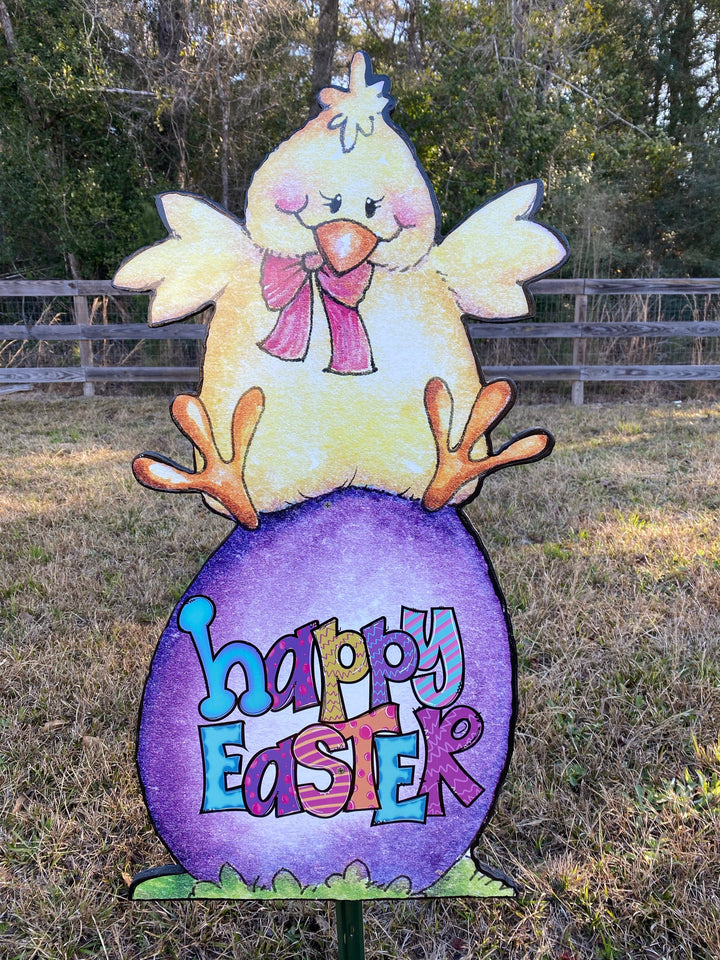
372	206
334	203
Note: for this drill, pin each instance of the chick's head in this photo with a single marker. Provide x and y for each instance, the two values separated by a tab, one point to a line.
347	185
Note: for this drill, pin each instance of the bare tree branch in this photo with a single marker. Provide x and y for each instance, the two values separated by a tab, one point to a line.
121	90
577	89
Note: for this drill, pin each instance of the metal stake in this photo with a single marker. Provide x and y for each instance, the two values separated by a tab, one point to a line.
350	935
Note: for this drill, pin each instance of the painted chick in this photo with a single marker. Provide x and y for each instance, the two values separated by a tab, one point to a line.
336	354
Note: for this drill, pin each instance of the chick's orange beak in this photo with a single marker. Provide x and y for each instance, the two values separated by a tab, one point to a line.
344	243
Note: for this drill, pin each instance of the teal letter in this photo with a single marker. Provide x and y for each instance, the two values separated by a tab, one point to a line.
195	618
217	763
390	775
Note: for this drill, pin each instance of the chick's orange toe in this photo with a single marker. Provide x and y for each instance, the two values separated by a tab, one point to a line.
222	480
455	465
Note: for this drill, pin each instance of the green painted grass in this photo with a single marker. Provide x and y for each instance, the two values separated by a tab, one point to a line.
463	879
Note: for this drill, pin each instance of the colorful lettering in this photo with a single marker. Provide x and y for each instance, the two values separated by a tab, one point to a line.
378	642
458	730
373	778
195	617
392	775
218	763
361	731
300	687
331	644
443	651
306	749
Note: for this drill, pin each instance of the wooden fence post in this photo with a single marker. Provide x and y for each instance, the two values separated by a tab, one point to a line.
578	350
82	317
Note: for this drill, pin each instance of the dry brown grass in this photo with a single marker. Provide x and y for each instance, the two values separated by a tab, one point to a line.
610	559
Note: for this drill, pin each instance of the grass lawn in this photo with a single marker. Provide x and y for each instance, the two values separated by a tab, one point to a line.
609	556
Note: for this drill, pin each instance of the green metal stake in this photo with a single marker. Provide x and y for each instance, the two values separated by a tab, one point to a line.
351	941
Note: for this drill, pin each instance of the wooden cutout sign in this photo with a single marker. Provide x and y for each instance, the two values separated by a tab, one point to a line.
330	710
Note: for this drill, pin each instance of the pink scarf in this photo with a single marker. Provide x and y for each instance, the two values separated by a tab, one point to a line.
286	286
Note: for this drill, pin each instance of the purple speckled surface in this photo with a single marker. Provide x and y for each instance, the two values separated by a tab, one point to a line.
356	555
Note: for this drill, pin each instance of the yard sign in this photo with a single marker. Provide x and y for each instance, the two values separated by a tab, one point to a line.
330	710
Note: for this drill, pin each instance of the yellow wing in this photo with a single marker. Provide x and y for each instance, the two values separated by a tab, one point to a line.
188	270
487	258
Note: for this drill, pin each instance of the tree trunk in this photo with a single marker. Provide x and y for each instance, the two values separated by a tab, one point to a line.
323	51
7	28
414	37
172	33
171	28
225	138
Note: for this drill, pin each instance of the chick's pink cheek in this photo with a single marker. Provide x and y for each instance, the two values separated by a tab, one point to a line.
405	212
289	197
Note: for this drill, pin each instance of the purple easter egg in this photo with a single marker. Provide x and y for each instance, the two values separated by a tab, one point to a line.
379	724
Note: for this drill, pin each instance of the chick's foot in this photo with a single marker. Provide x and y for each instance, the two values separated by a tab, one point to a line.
455	466
220	479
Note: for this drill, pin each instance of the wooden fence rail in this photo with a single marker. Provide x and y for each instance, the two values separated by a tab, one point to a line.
579	332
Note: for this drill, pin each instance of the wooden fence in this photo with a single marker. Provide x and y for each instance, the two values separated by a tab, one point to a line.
579	331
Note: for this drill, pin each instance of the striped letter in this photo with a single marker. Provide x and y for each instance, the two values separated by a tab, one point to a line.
443	653
322	803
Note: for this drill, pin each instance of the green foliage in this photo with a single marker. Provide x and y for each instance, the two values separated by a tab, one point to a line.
94	121
73	177
615	104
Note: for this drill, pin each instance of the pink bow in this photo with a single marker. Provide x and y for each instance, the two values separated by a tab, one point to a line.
286	286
